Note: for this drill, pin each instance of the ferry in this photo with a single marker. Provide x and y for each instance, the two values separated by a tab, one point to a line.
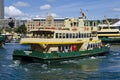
49	44
109	33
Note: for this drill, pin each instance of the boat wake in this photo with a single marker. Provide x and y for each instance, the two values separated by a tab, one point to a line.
15	64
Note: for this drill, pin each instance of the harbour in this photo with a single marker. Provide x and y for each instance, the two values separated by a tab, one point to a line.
52	40
92	68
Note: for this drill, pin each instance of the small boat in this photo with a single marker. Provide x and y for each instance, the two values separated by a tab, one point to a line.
109	33
56	44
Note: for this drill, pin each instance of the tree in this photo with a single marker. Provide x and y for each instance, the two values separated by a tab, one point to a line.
11	24
21	29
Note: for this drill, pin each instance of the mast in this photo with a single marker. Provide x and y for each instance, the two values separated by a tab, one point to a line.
108	23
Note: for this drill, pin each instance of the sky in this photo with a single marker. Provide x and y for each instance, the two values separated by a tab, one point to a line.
93	9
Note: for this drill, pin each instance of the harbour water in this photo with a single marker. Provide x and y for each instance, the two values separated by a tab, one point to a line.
92	68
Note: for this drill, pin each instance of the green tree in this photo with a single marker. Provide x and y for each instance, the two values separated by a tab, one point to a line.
21	29
11	24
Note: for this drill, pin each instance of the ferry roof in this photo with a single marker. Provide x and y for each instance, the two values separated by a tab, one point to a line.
44	19
53	30
117	24
105	25
53	41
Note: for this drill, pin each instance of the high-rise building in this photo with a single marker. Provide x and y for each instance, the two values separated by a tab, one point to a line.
1	9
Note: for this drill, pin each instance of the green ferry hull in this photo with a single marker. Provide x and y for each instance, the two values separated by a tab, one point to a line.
2	40
110	40
48	57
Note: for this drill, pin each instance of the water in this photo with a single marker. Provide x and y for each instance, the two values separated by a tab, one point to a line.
93	68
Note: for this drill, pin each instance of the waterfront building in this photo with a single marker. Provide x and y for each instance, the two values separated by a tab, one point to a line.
17	23
37	23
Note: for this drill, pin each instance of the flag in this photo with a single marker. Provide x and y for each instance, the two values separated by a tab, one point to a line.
82	13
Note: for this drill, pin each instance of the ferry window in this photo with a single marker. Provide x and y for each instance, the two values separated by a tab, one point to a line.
70	35
75	23
71	24
66	47
48	36
79	35
66	35
73	35
43	35
91	45
94	34
88	34
52	35
76	35
85	35
63	35
99	28
105	27
56	35
38	36
60	48
60	36
112	28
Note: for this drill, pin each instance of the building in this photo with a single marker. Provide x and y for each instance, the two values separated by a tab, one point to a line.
17	23
1	9
37	23
49	21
